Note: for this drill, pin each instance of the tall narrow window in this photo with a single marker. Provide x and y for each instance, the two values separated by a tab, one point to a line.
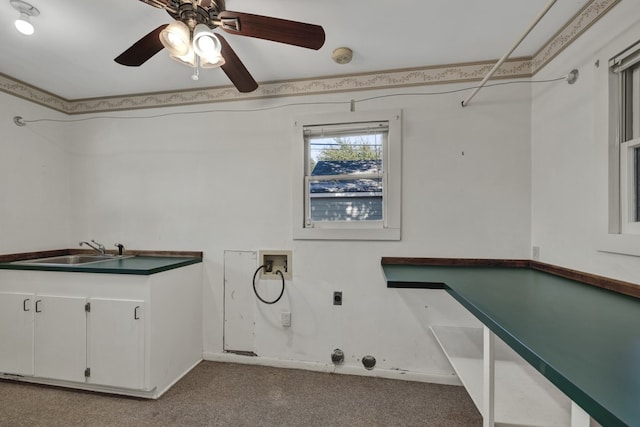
625	69
347	183
636	178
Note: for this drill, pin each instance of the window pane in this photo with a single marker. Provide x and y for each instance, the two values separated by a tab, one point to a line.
634	107
333	195
364	147
346	200
636	183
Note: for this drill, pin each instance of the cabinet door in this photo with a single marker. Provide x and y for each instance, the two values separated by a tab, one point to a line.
16	333
117	343
60	337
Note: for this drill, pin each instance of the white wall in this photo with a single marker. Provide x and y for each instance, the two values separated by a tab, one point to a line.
222	181
533	172
569	152
34	179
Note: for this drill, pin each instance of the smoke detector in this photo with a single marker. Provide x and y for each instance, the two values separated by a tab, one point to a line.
342	55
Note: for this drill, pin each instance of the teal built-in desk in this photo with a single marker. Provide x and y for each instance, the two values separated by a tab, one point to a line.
583	338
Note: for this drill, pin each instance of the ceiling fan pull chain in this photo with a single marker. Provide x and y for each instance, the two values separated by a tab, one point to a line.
196	69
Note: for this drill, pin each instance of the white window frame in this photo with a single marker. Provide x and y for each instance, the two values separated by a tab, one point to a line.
626	134
389	227
627	187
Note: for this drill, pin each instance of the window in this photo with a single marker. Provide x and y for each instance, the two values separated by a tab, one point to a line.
347	176
344	173
625	71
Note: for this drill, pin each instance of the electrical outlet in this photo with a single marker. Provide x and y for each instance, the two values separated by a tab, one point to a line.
286	318
337	298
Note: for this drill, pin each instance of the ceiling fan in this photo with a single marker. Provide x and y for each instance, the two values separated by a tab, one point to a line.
190	39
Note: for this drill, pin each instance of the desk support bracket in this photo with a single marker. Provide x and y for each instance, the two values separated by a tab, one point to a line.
579	418
488	404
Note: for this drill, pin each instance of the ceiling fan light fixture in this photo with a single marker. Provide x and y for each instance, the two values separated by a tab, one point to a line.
212	62
205	43
213	49
176	38
189	59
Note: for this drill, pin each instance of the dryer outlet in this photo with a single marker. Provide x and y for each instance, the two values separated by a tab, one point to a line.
281	260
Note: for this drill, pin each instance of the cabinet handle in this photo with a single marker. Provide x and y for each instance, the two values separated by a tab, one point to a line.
24	305
38	306
135	313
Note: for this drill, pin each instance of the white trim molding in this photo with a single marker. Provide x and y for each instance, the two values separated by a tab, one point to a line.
393	374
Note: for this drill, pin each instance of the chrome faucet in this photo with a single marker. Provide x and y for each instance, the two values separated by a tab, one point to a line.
120	247
99	247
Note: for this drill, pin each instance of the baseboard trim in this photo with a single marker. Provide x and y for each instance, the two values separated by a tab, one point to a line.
394	374
145	394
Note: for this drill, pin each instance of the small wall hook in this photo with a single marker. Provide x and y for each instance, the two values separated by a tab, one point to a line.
19	121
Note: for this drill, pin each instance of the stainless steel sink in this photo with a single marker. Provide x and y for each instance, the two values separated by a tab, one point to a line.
71	259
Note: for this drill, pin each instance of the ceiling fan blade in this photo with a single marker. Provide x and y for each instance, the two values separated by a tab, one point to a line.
169	5
235	69
142	50
275	29
161	4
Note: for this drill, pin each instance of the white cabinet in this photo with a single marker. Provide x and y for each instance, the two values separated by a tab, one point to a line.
116	333
60	339
16	333
43	336
116	362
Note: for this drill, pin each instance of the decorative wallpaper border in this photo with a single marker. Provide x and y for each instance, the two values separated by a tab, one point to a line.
33	94
344	83
453	73
581	22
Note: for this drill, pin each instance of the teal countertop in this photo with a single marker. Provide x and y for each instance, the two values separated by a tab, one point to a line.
140	265
584	339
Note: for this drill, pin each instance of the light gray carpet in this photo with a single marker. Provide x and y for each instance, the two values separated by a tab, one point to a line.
223	394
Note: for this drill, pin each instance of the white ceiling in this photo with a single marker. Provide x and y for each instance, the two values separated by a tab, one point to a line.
71	54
